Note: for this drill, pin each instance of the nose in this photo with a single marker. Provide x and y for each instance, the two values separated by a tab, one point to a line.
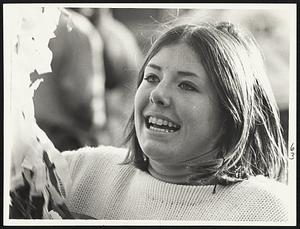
160	96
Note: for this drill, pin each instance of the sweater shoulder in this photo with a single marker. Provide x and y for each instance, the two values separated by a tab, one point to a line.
99	151
264	198
94	155
265	186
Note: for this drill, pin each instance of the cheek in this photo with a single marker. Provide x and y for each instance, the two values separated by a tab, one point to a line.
140	101
140	97
214	121
204	115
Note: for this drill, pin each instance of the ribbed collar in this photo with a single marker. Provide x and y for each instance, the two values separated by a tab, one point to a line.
146	185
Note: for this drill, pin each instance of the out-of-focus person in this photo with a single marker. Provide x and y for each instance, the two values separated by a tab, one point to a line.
70	105
122	58
122	55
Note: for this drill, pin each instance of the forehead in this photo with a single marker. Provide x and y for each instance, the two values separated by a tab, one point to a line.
178	57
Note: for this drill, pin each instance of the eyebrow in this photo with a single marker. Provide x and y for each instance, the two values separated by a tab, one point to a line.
186	73
154	66
182	73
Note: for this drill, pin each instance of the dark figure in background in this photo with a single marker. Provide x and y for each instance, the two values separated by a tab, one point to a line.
70	105
94	66
122	55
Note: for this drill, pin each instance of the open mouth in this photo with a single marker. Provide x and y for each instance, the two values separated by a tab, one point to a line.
161	125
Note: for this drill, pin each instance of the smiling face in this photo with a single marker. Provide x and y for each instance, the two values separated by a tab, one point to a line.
182	120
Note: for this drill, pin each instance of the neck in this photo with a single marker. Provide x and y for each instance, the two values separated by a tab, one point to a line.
169	173
181	173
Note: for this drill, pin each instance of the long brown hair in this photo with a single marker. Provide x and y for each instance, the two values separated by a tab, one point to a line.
253	143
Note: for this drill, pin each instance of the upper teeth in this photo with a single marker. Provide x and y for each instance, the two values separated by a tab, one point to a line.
161	122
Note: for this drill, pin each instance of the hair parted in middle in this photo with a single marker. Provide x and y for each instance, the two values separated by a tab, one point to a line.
253	142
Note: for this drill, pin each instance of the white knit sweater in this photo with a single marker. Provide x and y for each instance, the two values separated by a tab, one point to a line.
103	189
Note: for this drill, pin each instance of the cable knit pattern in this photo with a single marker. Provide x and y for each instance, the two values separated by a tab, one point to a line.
104	189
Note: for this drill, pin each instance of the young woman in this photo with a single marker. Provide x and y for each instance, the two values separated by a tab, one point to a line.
205	141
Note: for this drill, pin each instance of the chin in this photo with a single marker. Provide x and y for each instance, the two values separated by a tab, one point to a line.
156	152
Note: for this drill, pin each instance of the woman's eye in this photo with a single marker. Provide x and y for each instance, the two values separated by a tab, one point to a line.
187	87
151	78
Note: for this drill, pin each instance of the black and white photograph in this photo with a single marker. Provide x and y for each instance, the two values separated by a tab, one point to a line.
149	114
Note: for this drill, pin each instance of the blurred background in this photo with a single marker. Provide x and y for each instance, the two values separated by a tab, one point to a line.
97	53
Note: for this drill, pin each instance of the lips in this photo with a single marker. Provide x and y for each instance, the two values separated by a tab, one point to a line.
161	124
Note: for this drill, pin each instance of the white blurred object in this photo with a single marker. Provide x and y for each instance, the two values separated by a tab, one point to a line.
70	105
31	29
